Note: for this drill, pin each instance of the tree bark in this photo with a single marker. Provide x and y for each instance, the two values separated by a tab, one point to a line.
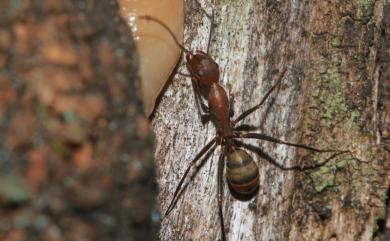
332	96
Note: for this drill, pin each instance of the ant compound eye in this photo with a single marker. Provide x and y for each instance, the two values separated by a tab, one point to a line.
200	73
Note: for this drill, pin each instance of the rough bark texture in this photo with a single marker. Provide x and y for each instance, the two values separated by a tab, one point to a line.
334	95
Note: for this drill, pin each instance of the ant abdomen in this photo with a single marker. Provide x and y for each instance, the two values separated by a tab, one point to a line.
242	173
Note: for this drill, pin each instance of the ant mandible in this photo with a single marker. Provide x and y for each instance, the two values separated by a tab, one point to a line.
242	170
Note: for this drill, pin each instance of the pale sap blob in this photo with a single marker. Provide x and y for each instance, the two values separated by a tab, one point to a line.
157	50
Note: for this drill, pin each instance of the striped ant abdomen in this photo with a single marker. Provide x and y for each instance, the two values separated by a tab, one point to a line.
242	173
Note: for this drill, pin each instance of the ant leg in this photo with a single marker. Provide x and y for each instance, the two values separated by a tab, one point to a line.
231	105
211	18
211	30
251	110
260	136
202	108
204	11
193	162
271	160
220	191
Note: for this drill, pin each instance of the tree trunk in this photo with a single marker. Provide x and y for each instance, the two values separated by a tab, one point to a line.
333	96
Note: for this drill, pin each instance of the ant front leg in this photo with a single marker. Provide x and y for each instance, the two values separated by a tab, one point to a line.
203	109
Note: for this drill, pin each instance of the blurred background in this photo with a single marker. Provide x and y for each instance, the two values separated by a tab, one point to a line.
75	149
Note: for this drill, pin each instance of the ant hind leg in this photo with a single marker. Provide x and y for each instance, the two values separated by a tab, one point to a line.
220	192
178	190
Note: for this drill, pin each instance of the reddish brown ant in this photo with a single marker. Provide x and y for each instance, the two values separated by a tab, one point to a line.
242	171
203	70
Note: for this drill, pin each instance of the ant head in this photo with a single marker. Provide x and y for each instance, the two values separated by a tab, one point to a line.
203	68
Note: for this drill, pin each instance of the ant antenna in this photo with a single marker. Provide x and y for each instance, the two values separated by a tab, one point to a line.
212	26
150	18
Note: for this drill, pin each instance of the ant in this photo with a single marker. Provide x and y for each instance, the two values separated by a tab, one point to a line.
242	170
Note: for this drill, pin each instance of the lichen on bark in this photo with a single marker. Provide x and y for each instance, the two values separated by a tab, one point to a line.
328	99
